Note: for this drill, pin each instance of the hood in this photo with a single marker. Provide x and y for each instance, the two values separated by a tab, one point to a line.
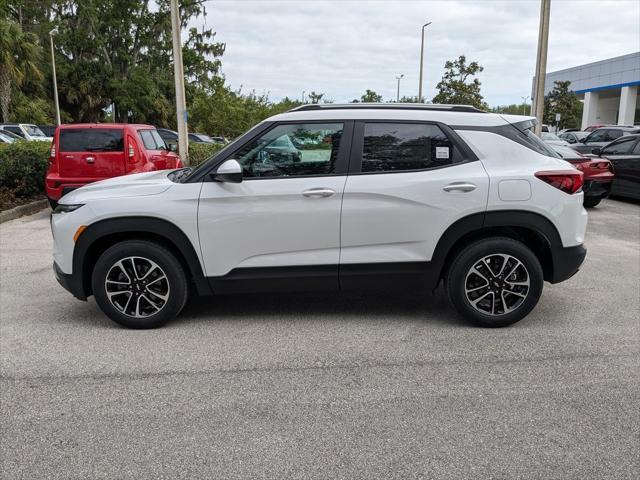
136	185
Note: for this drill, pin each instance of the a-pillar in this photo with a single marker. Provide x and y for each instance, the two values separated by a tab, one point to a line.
627	107
590	110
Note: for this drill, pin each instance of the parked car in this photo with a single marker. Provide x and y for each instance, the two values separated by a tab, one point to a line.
553	140
170	137
48	130
202	138
603	136
26	131
573	136
624	154
6	138
399	196
566	130
598	174
591	128
85	153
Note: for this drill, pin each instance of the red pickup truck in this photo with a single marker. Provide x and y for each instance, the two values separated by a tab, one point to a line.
88	152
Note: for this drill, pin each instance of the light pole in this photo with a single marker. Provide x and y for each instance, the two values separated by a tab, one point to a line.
55	82
524	104
178	74
537	107
399	77
422	62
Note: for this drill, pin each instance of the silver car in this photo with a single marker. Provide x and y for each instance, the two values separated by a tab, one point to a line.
602	136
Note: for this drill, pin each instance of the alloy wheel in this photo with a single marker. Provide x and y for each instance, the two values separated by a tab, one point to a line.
497	284
137	287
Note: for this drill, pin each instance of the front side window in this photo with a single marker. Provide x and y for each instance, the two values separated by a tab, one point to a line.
34	131
91	140
623	147
292	150
391	147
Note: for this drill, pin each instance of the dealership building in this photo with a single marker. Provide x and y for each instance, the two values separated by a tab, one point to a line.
608	88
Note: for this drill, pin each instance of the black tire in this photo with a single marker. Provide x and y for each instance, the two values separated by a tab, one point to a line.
460	276
590	202
151	310
53	203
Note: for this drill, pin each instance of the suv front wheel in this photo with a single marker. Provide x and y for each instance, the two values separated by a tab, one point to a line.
495	282
139	284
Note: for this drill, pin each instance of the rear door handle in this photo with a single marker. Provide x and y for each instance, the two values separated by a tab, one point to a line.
459	187
318	192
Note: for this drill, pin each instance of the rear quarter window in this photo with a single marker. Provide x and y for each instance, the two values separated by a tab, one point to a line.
91	140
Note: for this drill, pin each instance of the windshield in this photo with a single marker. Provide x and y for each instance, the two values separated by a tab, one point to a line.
581	135
33	131
204	166
6	138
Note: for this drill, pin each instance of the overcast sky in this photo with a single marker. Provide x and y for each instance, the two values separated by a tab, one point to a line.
342	48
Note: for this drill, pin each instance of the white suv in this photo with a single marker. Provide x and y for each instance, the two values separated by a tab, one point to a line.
374	196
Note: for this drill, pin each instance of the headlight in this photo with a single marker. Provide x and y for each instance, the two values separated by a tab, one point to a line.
67	208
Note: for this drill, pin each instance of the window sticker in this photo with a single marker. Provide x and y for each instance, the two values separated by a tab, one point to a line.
442	152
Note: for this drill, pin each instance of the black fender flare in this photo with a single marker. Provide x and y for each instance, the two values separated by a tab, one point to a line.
127	226
475	223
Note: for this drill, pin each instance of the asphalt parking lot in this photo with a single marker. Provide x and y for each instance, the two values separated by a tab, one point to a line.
324	386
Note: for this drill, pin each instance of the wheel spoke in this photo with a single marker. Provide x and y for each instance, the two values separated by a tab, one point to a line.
506	290
148	300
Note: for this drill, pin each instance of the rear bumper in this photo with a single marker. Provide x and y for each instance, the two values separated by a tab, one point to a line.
597	188
57	187
69	282
567	261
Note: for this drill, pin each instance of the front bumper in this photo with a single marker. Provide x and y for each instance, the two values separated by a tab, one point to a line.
567	261
69	282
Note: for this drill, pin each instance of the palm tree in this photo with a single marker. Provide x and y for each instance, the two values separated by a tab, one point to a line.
19	57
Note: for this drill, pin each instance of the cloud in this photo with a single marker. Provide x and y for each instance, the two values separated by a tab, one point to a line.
342	48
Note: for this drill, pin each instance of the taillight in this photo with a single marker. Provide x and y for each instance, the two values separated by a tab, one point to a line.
52	155
132	154
569	181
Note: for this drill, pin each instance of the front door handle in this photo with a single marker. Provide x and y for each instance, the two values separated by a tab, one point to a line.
318	192
459	187
90	159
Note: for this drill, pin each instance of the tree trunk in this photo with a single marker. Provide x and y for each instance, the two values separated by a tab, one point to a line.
5	94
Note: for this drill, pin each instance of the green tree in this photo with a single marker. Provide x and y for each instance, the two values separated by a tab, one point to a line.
564	101
454	88
513	109
315	97
19	58
371	97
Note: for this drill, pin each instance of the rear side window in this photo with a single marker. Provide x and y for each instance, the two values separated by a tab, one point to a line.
91	140
392	147
152	140
623	147
522	133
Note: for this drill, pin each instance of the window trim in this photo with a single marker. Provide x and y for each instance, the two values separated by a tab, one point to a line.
357	145
342	162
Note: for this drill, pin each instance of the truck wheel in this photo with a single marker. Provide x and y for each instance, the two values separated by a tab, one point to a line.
494	282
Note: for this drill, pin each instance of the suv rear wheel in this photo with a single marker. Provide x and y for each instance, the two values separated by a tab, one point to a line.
495	282
139	284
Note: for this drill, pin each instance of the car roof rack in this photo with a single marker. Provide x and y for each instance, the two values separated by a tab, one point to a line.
387	106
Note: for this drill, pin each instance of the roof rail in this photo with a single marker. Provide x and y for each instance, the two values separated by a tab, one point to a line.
387	106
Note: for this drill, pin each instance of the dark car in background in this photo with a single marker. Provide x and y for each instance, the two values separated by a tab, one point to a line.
204	138
624	154
598	174
48	130
603	136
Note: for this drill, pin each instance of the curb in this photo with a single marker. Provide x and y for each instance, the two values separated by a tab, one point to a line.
22	210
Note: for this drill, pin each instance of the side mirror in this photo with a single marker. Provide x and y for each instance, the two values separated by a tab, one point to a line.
173	147
596	151
229	172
